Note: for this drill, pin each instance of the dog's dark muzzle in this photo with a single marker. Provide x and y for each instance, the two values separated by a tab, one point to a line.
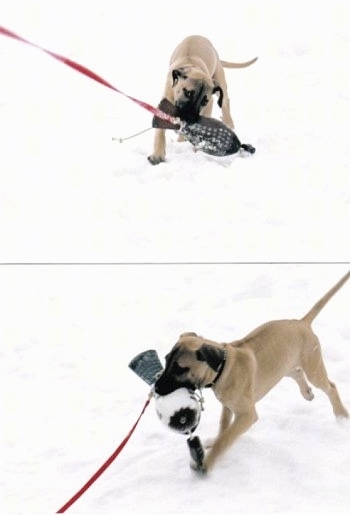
187	111
166	383
189	106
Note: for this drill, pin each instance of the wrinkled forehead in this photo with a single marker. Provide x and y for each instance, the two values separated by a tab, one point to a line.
181	350
196	79
176	357
200	86
173	355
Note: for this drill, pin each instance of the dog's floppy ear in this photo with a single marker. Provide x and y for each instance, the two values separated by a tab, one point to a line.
176	74
212	355
190	333
221	94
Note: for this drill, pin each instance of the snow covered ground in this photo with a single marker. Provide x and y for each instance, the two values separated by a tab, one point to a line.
186	245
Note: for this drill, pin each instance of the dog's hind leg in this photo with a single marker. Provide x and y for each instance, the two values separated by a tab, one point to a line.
305	389
316	373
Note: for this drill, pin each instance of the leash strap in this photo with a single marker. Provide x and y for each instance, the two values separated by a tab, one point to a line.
85	71
107	463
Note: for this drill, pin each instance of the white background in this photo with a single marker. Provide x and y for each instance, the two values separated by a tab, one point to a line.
70	194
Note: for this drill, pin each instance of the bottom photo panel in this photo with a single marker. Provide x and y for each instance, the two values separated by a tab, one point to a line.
175	388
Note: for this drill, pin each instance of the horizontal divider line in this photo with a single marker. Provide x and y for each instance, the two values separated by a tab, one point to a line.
168	263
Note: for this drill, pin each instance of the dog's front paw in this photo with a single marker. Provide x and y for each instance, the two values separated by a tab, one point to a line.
156	160
309	394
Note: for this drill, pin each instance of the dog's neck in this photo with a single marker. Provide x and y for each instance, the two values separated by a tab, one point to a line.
219	371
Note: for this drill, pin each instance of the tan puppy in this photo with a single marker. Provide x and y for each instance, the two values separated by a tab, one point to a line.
242	372
195	74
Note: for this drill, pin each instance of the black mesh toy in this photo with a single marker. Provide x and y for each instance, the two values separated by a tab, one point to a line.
206	134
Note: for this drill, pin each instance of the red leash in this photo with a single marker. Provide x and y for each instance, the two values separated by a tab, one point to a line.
85	71
105	465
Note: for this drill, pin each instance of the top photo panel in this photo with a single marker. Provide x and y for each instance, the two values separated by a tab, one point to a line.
145	132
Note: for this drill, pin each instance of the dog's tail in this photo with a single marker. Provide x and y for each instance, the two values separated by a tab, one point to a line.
227	64
314	311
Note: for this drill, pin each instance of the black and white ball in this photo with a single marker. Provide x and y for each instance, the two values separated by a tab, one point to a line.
180	410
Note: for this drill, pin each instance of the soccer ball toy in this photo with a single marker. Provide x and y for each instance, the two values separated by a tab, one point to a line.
180	410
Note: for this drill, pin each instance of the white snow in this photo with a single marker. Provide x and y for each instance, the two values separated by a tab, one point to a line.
186	245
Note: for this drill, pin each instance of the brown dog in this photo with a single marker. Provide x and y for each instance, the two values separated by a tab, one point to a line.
195	74
242	372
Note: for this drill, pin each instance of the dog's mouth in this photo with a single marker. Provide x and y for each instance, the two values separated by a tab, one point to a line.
166	384
187	112
173	378
189	106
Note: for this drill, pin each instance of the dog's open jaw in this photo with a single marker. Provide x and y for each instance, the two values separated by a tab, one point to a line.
195	369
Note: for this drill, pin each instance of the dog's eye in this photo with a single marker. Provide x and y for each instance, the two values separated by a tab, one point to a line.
188	93
176	369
